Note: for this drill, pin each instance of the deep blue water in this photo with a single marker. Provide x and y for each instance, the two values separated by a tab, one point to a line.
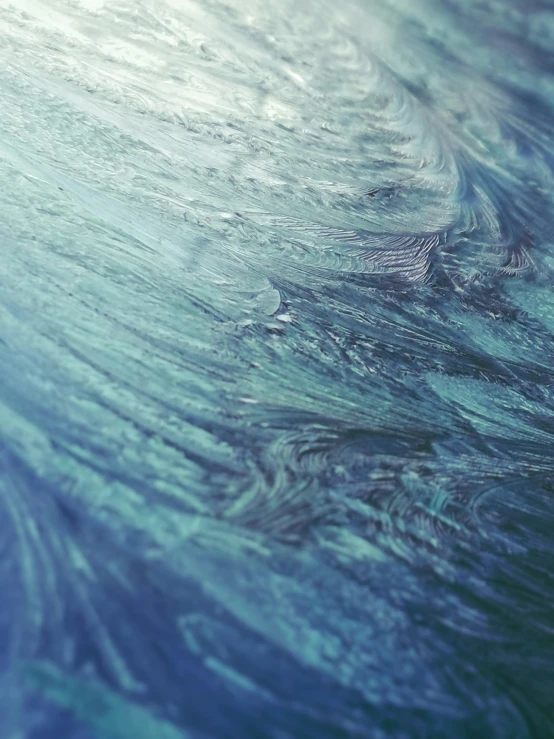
276	369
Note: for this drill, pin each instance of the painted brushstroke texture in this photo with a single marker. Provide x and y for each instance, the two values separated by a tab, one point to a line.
276	369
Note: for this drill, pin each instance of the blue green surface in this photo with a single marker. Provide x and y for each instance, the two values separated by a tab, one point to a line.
276	369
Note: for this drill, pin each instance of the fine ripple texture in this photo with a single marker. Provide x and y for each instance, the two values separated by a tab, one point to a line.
276	369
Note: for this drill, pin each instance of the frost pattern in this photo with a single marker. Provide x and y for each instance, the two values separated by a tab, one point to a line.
276	385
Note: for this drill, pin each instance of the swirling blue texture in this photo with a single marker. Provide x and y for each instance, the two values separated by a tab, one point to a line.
276	369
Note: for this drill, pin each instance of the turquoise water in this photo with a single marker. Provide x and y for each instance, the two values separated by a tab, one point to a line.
276	385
